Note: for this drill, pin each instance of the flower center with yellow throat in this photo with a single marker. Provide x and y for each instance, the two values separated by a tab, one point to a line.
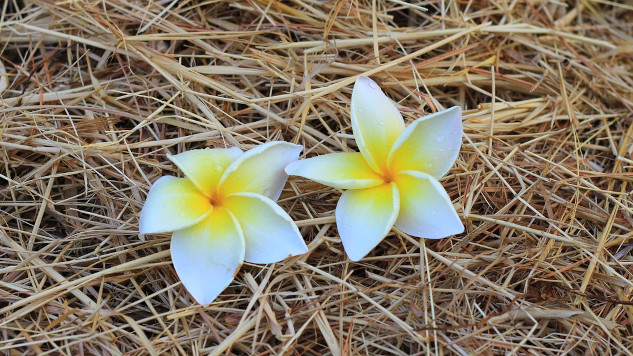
387	176
216	200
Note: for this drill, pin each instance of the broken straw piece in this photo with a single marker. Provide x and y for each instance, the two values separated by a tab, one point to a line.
4	82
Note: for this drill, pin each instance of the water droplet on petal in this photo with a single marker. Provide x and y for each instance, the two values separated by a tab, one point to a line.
372	84
440	138
359	110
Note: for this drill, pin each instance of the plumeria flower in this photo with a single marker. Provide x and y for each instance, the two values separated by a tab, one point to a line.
223	213
393	180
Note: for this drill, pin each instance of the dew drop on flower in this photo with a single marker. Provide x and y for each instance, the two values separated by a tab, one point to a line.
372	84
440	138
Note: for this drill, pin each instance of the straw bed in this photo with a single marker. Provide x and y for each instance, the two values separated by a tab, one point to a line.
99	92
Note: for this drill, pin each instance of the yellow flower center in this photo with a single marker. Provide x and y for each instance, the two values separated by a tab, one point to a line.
216	200
387	177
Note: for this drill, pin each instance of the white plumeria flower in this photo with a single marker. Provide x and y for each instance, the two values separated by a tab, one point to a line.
223	213
393	180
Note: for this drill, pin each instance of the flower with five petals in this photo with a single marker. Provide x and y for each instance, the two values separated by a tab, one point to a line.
222	213
393	180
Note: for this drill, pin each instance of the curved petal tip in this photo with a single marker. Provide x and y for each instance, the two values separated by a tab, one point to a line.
430	144
426	209
347	170
260	170
376	122
365	216
207	255
270	235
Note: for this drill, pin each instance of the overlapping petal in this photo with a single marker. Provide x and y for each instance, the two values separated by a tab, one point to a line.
376	122
365	216
430	144
205	167
172	204
347	170
270	234
425	208
207	255
260	170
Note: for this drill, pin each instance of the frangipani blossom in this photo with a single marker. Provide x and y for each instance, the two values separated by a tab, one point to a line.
393	180
223	213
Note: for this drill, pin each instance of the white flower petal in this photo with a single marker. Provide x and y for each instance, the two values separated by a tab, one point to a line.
269	233
347	170
430	144
260	170
365	216
205	167
425	208
207	255
172	203
376	122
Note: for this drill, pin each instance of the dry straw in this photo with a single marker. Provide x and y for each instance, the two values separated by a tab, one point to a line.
100	91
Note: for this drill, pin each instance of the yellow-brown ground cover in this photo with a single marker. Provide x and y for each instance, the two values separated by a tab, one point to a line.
100	91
